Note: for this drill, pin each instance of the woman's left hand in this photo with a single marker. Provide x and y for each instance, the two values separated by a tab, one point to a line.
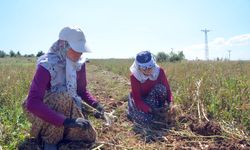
171	108
159	111
76	122
100	108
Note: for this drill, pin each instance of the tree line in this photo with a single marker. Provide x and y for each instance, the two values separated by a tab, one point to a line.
160	57
171	57
18	54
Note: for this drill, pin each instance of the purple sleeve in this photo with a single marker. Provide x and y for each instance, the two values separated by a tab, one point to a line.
35	103
81	88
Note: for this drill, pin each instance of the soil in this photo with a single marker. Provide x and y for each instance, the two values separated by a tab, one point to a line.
207	128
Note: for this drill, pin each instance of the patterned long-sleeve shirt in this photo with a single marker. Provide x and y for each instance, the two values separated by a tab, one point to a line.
140	90
41	83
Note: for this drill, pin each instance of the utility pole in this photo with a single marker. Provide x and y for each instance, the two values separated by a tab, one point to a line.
206	44
229	52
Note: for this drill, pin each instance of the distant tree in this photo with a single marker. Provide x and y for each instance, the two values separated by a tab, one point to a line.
176	57
173	57
40	53
18	54
181	55
12	53
161	57
31	55
2	54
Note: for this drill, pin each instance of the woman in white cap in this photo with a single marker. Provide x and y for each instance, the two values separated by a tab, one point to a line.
54	103
150	93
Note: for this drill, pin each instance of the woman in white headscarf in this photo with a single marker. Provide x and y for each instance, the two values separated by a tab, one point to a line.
54	104
150	92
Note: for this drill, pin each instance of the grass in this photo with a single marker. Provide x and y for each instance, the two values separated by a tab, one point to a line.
224	89
15	75
223	92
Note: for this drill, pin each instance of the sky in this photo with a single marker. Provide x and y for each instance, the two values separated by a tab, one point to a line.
122	28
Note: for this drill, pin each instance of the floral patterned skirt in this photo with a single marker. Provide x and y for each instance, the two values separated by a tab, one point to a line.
155	99
51	134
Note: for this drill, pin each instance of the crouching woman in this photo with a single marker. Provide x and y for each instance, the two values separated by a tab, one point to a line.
54	103
150	93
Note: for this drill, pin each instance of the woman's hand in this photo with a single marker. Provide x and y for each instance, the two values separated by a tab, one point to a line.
100	108
159	111
169	107
79	122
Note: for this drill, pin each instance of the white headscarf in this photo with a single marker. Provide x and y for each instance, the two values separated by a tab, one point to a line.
150	64
56	61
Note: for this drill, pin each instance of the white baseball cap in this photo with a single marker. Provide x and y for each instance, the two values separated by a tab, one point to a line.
75	37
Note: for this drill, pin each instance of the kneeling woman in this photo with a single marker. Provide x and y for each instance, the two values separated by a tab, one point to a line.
54	103
150	91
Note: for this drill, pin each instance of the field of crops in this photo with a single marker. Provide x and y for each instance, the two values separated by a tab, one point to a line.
223	88
15	77
218	91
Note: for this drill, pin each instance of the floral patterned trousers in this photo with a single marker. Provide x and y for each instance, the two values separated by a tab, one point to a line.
155	99
51	134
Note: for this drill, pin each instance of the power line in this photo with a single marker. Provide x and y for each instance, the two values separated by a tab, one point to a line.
206	44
